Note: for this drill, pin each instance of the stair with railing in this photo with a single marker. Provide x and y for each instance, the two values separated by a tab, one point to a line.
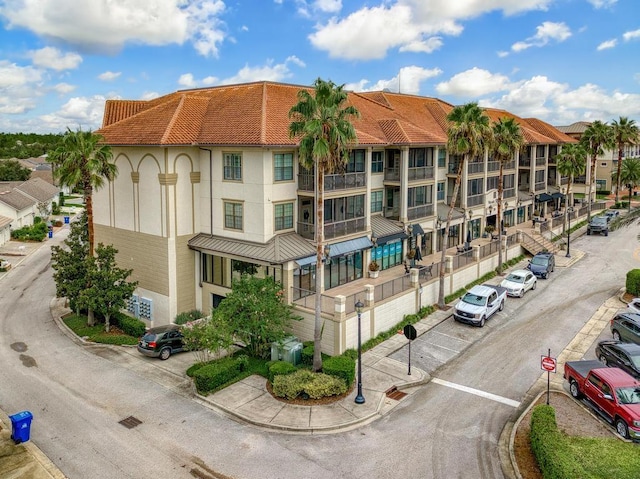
537	243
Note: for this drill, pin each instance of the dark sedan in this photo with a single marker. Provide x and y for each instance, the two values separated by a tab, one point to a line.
625	356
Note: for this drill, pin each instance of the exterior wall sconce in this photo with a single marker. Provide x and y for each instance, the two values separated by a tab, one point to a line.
327	254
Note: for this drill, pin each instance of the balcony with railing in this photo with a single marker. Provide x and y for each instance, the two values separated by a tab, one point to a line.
392	212
541	161
421	211
493	166
344	181
475	200
524	161
333	230
421	173
452	169
564	180
392	174
542	186
509	193
475	167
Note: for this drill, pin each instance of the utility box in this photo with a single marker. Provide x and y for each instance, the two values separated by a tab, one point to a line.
21	426
289	350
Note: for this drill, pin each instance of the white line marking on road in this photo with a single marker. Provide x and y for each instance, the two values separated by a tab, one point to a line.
477	392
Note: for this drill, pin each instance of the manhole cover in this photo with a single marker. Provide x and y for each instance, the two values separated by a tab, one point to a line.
130	422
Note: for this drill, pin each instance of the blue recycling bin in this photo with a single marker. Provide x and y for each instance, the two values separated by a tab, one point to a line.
66	220
50	234
21	426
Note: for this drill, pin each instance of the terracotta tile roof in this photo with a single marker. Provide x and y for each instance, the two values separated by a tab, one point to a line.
550	131
258	114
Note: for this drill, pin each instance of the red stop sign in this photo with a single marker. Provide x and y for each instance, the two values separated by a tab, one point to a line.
548	363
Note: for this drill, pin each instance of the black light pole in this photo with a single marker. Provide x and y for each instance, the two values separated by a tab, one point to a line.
569	212
359	396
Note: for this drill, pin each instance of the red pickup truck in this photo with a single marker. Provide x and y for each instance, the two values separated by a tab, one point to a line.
614	394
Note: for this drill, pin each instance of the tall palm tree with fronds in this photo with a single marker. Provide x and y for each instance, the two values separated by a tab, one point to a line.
322	122
468	134
596	138
507	140
629	175
82	160
625	132
572	162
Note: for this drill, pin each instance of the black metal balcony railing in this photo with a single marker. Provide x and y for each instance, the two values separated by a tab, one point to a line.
475	200
392	212
421	211
334	182
524	162
333	230
452	169
493	166
421	173
392	174
541	161
509	193
541	186
475	167
564	181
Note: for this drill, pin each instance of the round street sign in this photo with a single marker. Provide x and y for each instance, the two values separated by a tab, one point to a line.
548	363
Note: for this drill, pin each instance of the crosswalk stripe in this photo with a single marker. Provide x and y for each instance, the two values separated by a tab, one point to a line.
477	392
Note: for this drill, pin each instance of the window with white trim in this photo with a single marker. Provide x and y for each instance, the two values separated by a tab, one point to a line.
283	166
233	215
376	201
283	216
232	166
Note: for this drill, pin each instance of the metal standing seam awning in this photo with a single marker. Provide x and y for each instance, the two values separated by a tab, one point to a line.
417	229
544	198
390	238
340	249
557	195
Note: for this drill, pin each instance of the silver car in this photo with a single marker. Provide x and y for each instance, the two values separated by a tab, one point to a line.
519	282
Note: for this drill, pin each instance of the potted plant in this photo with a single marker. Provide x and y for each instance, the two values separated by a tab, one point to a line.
374	269
411	254
489	229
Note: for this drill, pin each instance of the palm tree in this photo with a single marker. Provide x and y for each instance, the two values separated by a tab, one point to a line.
625	132
572	162
506	141
629	175
467	136
596	138
322	121
83	160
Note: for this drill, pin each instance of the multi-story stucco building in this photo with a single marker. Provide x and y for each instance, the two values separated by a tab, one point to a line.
210	187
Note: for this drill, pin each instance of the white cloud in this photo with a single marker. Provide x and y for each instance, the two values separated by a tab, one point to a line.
296	61
631	35
607	44
545	33
63	88
78	112
109	76
407	81
107	27
12	75
473	83
409	25
149	95
328	6
54	59
602	3
187	80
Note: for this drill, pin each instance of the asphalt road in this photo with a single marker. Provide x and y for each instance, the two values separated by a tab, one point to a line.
78	397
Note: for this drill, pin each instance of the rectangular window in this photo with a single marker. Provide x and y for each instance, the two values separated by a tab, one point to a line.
233	216
356	162
509	181
376	201
377	162
418	196
233	166
283	166
492	183
283	216
442	158
340	209
474	187
419	157
441	191
540	150
540	176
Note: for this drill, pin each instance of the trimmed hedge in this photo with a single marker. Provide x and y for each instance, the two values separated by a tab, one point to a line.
342	367
554	459
304	383
633	282
129	325
188	316
280	368
307	353
213	375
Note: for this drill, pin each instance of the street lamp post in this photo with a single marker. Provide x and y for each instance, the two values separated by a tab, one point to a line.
359	396
569	212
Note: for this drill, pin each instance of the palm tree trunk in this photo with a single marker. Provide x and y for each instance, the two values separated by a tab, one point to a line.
618	182
499	219
317	330
88	204
443	257
591	181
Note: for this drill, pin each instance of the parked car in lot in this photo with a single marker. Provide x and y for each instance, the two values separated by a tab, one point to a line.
542	264
625	356
161	342
634	305
598	224
479	304
625	326
610	214
519	282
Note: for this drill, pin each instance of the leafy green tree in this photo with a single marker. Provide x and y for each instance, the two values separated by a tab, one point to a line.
596	138
468	134
572	162
12	170
207	337
83	160
625	132
322	122
629	175
256	313
506	141
69	263
109	289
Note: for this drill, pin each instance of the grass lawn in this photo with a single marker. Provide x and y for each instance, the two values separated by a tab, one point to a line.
97	334
605	457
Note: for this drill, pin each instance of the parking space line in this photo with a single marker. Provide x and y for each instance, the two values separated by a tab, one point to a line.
477	392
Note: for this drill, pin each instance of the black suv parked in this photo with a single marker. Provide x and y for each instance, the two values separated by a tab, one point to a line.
598	224
625	356
542	264
161	342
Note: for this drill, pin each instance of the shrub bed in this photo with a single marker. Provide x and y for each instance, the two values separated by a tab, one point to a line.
129	325
343	367
305	383
214	375
280	368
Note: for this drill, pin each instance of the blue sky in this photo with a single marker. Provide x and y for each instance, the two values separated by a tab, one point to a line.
558	60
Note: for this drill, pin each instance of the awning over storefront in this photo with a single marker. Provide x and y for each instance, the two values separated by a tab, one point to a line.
305	261
557	195
417	229
386	231
344	247
389	238
544	197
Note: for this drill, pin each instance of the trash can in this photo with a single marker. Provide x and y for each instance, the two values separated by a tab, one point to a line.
50	234
66	220
21	426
